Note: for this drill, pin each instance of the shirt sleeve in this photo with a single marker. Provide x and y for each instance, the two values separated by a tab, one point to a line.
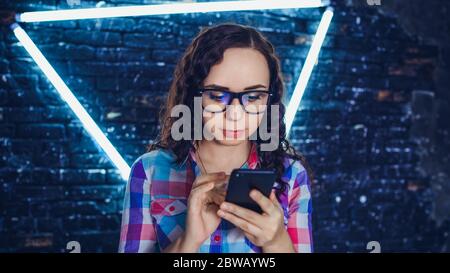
137	229
299	225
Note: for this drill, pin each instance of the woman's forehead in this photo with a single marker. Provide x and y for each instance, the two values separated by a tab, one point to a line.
240	68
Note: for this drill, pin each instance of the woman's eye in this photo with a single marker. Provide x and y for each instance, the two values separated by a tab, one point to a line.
254	96
218	97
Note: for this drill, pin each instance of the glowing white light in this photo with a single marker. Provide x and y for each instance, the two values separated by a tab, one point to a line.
67	95
174	8
310	61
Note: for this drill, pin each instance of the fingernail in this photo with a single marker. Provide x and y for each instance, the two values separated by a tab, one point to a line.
224	206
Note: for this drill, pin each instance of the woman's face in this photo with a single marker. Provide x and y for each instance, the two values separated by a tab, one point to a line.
241	69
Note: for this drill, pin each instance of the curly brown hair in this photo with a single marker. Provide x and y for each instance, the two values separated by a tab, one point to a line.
206	50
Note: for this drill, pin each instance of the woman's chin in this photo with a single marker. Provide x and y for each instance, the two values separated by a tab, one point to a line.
230	141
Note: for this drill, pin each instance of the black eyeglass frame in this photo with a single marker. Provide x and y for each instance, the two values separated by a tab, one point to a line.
237	95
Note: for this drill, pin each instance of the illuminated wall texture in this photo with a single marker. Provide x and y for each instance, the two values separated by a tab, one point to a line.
373	121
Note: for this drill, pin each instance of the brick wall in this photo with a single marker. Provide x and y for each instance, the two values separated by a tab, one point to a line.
366	124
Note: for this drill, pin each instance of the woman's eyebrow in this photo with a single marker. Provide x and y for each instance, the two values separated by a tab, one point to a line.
226	88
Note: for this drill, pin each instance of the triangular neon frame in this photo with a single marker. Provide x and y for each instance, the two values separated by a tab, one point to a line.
160	9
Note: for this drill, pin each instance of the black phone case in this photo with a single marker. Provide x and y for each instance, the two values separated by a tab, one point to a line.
242	181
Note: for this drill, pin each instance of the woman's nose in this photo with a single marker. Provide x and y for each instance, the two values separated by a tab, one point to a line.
234	111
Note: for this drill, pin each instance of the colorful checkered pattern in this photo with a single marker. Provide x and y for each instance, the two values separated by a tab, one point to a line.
155	206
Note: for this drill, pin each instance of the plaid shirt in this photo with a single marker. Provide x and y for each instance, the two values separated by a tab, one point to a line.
155	206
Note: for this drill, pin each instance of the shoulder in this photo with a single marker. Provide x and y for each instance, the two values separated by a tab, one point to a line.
159	159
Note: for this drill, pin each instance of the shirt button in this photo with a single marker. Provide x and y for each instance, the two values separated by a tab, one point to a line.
171	208
217	238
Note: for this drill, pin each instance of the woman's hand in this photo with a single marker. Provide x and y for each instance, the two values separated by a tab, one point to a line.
206	195
203	204
266	230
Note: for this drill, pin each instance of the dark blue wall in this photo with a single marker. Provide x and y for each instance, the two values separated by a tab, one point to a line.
373	123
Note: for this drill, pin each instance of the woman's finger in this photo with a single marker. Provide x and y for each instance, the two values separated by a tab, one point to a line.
265	203
220	176
240	223
198	192
205	187
216	197
243	213
274	199
251	237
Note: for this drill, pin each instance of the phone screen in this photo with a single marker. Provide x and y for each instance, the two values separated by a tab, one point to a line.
242	181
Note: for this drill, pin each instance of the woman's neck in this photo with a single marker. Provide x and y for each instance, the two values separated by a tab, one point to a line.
217	157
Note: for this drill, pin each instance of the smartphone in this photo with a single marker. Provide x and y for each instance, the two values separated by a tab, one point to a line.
242	181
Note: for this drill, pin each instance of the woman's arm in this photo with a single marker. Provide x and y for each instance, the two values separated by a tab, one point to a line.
137	231
267	230
201	219
299	225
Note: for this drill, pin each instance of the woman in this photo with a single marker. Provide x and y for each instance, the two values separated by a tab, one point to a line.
174	196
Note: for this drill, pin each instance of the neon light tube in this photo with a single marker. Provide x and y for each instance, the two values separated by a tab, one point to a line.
67	95
307	68
175	8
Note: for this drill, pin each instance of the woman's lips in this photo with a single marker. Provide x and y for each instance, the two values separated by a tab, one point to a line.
232	133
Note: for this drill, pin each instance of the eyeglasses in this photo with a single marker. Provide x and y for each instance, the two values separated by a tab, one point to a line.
216	100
